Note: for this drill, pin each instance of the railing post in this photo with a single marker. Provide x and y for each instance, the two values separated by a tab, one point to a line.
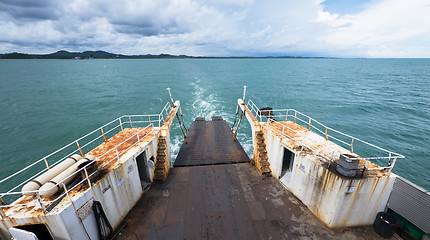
295	116
244	93
365	167
310	119
131	125
120	123
326	136
138	139
2	214
79	147
149	118
46	163
237	127
352	145
392	166
389	159
259	114
286	116
103	134
39	199
117	154
88	178
283	129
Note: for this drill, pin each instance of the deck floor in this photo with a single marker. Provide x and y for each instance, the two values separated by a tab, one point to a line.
225	201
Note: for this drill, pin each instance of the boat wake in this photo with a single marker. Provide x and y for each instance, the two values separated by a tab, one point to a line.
205	103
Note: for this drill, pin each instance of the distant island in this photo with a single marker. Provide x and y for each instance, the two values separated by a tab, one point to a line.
106	55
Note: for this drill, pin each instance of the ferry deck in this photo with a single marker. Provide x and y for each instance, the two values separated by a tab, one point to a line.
214	192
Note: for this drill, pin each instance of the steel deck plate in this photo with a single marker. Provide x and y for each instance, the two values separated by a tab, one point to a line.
209	143
230	201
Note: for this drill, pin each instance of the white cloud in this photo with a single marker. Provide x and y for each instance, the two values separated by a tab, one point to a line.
386	28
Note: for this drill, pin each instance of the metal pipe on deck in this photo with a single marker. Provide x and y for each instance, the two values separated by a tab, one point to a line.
29	188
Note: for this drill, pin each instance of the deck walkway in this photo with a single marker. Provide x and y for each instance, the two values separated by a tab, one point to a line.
224	201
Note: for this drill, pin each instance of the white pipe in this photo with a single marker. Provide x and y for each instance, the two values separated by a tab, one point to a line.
36	183
49	189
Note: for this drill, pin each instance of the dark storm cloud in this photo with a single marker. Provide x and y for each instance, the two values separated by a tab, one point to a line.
30	10
28	3
214	27
145	19
148	28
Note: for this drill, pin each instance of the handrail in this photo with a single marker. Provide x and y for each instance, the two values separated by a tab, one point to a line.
309	123
96	136
87	178
97	159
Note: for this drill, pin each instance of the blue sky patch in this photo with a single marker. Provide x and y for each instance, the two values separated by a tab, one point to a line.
344	7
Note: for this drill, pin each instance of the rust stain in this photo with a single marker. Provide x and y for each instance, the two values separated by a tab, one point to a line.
289	128
29	205
24	200
375	184
329	179
117	139
383	190
354	198
171	115
320	146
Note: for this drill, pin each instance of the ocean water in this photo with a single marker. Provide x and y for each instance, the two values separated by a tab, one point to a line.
46	104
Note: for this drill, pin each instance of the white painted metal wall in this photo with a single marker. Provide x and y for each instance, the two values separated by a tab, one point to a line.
118	192
336	200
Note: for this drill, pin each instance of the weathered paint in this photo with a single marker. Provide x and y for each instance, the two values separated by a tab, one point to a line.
163	163
116	198
337	200
275	153
54	223
262	165
117	191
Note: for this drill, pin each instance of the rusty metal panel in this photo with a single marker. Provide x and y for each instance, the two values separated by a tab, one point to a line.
85	210
411	202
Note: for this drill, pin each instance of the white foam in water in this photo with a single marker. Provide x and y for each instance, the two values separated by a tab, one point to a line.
175	145
203	105
246	142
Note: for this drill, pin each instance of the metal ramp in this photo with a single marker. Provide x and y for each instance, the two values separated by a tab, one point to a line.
210	143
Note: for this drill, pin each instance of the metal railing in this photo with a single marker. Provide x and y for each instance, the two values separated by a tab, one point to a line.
275	119
79	146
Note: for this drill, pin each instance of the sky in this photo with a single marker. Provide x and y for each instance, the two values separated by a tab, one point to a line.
331	28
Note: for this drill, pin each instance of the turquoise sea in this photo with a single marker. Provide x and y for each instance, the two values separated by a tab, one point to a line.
46	104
